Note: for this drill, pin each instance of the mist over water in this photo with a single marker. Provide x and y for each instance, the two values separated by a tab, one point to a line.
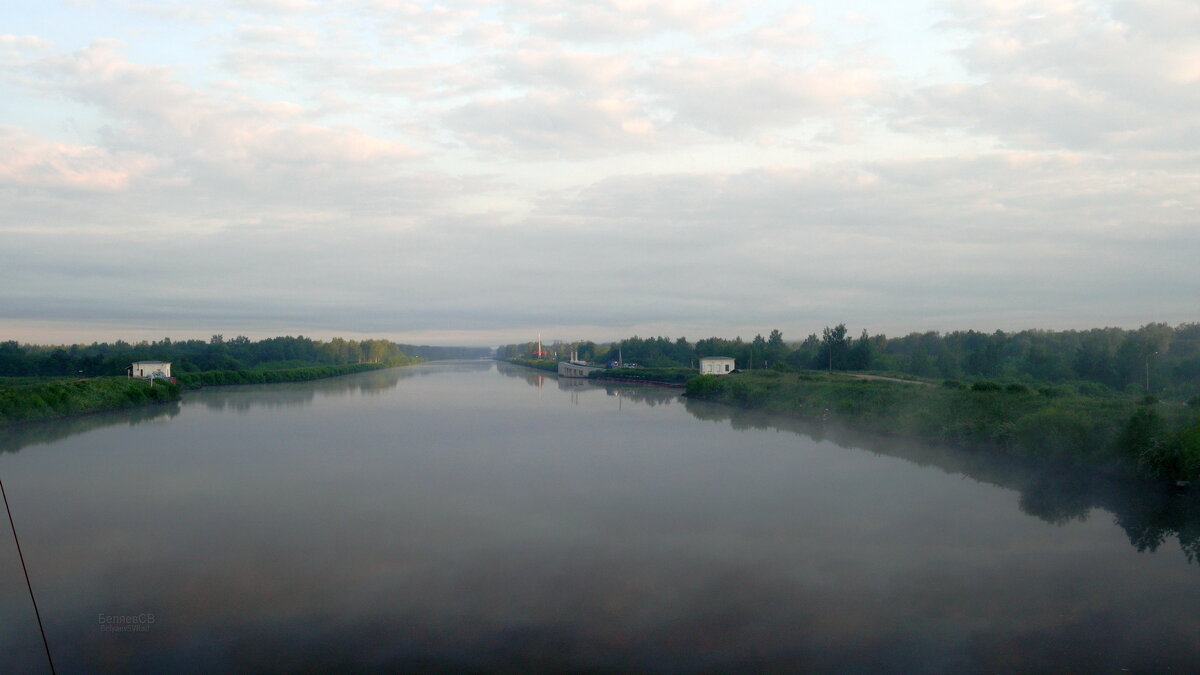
473	515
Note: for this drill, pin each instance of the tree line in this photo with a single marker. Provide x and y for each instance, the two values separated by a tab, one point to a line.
190	356
1155	358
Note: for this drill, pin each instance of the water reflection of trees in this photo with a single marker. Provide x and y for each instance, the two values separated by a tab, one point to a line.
241	398
648	394
1057	492
15	437
531	376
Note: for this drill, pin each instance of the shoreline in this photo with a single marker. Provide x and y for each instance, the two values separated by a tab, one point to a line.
1149	438
35	402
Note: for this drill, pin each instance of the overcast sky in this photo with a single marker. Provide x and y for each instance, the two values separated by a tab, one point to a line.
476	172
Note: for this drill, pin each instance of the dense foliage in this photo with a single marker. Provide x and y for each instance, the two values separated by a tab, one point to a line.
433	353
192	356
1102	361
1158	439
59	398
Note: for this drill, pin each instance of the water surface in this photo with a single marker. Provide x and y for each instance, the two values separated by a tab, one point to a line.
478	516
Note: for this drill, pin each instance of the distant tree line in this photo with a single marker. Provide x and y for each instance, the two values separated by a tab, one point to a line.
1156	358
190	356
433	353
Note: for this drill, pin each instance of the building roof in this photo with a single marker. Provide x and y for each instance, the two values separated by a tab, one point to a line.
715	358
152	362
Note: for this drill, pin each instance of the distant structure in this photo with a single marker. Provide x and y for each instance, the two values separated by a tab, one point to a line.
572	369
540	353
716	365
150	369
576	367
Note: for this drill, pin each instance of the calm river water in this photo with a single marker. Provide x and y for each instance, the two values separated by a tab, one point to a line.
479	516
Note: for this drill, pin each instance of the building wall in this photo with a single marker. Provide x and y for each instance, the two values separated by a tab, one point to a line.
144	369
716	366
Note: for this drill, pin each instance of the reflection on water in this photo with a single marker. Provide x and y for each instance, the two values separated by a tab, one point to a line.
468	517
243	398
15	437
1149	512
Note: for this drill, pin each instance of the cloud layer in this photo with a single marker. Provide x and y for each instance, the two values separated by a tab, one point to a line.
613	166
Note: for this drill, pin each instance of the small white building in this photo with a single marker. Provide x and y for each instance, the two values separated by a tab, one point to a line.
716	365
150	369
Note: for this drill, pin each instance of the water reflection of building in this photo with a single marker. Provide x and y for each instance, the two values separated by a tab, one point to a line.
575	384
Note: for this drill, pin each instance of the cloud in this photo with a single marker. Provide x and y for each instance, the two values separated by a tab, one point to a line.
277	6
30	162
736	97
550	124
287	35
200	133
1113	77
19	43
391	165
939	242
620	20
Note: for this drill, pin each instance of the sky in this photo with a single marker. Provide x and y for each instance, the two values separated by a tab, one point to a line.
479	172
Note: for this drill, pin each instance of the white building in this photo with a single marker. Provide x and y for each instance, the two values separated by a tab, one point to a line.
716	365
148	369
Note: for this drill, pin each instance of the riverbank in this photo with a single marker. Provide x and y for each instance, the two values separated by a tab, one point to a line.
1146	436
33	399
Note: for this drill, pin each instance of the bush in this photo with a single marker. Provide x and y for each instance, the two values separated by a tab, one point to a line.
1093	389
1143	436
48	400
1017	388
745	394
953	384
986	385
705	386
1054	392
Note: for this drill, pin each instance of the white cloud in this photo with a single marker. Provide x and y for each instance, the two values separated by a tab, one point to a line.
277	6
555	125
740	96
30	162
392	165
20	43
1108	77
599	20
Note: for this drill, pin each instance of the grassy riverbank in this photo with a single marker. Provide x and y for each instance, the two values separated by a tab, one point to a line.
1153	438
33	401
29	399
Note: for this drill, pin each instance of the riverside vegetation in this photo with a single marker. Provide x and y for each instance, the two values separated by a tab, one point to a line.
33	387
1148	436
33	401
1091	395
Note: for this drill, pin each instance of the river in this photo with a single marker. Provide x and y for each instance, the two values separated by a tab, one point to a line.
479	516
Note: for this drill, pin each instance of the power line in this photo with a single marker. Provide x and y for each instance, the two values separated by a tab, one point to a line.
28	585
